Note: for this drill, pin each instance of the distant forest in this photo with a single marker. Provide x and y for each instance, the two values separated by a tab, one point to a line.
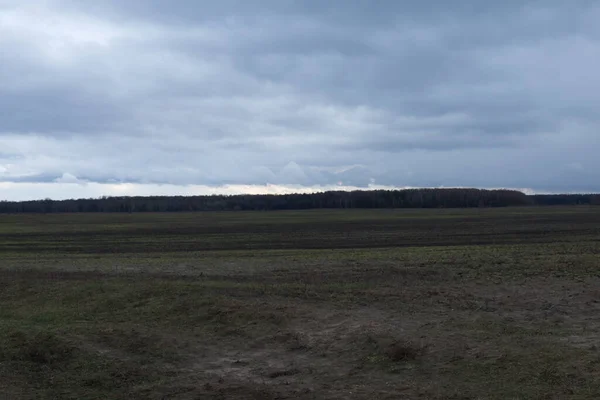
409	198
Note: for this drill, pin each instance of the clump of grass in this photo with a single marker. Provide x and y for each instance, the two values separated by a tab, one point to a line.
403	351
45	363
138	342
391	352
40	348
293	341
282	373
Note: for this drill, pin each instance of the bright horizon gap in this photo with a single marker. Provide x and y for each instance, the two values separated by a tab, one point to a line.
26	191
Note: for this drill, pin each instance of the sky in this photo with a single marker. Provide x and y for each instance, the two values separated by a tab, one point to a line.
145	97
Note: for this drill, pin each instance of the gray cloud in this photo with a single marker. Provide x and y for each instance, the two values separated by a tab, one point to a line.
491	94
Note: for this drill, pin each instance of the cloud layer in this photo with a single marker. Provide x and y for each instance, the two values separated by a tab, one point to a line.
299	94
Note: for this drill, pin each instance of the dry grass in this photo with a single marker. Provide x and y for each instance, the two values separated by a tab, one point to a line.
504	306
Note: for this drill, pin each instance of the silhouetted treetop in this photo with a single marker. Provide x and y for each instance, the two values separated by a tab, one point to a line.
408	198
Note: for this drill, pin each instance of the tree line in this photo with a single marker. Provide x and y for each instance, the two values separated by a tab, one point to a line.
409	198
565	199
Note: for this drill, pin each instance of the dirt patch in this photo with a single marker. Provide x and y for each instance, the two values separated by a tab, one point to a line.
268	309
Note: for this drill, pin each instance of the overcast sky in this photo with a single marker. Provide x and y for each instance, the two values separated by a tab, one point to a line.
149	96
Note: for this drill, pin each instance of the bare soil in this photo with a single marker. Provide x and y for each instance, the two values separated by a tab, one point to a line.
411	304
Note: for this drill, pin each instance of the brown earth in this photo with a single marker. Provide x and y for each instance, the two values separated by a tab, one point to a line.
408	304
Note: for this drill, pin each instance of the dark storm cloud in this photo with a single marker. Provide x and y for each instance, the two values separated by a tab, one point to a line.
301	92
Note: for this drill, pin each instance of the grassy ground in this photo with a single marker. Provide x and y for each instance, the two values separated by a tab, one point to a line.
414	304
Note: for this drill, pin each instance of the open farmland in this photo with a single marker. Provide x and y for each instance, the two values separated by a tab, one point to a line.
357	304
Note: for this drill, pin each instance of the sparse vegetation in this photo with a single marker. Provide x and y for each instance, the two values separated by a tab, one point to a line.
360	304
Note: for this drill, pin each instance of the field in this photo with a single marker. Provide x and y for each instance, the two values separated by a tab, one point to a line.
359	304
